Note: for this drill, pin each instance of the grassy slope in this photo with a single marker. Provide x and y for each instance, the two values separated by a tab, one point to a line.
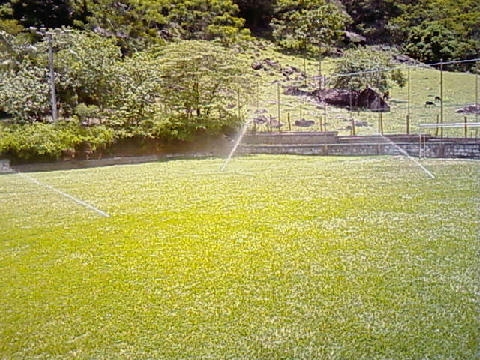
278	257
458	91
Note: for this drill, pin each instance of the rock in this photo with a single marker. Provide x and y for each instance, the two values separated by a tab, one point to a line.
469	109
304	123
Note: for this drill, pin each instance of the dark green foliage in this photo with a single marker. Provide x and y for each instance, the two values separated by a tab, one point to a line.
7	22
370	17
428	30
138	24
47	13
431	42
203	20
40	141
435	29
134	25
314	24
257	14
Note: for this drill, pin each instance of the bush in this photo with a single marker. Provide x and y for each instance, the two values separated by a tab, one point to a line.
43	142
431	42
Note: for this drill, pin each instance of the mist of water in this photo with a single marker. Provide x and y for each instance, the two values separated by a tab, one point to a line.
407	155
237	143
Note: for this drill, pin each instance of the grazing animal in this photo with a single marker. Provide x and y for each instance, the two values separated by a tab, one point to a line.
429	104
438	99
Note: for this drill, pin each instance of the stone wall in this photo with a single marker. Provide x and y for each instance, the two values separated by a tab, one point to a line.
361	146
291	138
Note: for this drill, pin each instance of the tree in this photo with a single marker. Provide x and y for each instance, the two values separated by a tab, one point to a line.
431	42
84	66
443	29
135	97
133	24
257	14
370	17
15	49
201	84
24	89
24	92
204	20
361	68
308	26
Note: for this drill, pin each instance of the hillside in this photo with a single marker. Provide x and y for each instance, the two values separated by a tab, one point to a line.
428	30
94	73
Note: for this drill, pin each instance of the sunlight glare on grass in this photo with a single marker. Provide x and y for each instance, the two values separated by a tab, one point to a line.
276	257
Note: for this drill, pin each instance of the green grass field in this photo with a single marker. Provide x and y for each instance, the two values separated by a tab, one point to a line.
277	257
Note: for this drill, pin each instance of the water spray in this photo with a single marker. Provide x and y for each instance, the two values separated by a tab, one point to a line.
407	155
238	140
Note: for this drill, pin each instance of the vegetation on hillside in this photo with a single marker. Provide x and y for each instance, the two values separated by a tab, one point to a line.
171	69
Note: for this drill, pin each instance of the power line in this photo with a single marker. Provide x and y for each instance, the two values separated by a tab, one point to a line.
454	62
401	66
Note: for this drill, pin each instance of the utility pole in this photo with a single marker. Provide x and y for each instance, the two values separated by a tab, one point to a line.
477	110
53	97
320	87
408	101
47	34
441	96
278	106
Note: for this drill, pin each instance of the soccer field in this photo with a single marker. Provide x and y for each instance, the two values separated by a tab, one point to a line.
277	257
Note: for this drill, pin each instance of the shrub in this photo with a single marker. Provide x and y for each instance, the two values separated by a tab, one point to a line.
42	142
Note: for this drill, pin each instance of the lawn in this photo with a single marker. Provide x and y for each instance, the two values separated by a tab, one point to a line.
277	257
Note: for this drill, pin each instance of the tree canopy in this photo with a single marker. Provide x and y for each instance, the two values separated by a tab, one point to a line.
308	25
137	24
366	69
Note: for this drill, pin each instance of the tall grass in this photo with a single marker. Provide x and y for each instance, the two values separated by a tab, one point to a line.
278	257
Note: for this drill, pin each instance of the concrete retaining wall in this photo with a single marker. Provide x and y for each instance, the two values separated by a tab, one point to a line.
361	146
291	138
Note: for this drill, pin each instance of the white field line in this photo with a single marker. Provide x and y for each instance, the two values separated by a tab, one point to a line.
409	157
64	194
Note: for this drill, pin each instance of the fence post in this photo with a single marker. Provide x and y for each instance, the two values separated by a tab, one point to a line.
279	105
380	123
420	145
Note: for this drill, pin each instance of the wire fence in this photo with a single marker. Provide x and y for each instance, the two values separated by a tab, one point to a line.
430	96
